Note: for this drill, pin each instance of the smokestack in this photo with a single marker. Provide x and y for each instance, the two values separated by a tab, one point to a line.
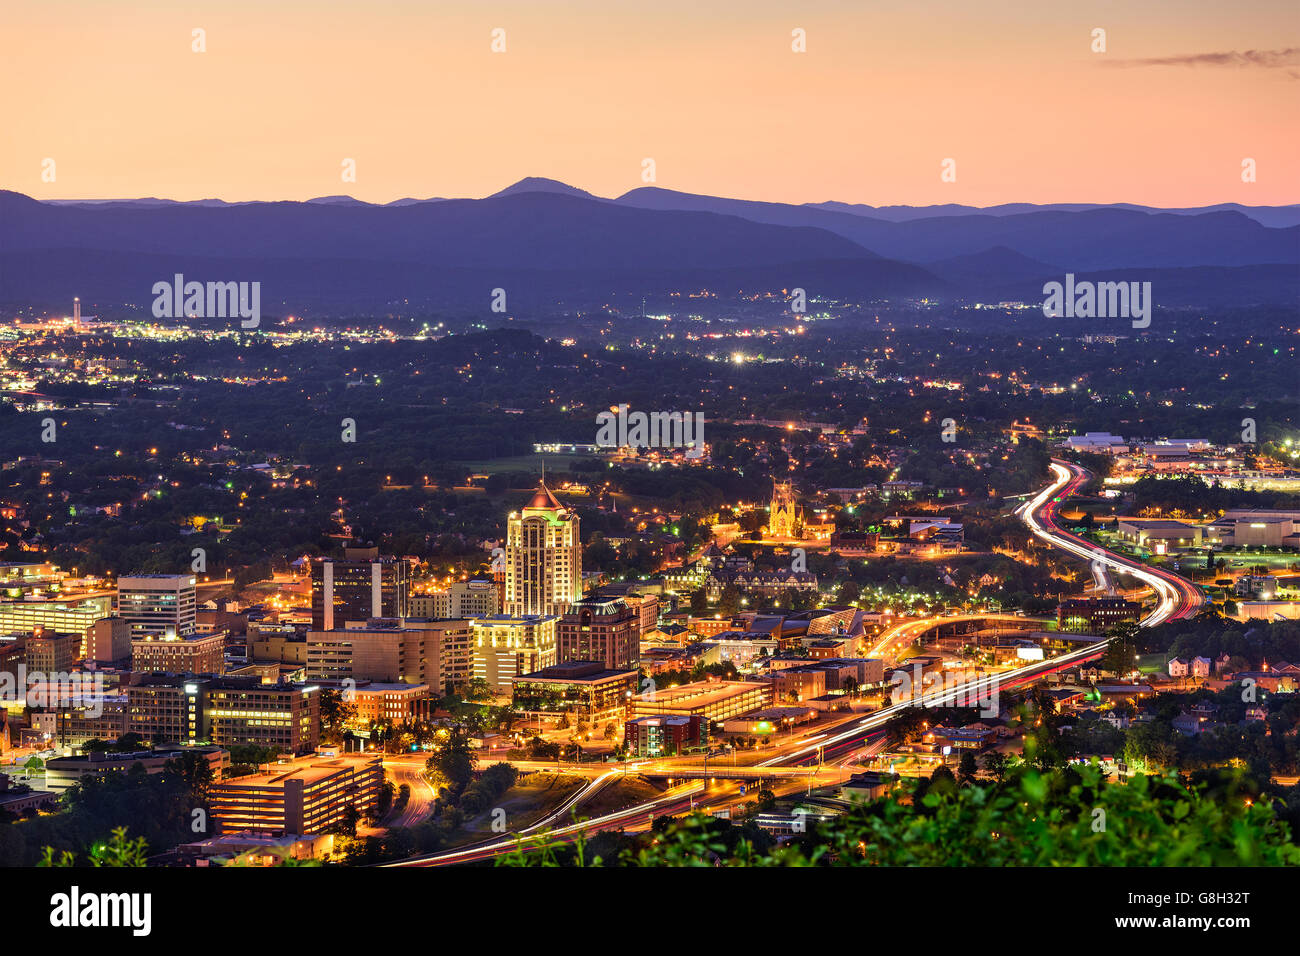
76	310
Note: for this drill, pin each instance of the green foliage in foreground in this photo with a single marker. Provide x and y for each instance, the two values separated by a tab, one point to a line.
119	851
1069	817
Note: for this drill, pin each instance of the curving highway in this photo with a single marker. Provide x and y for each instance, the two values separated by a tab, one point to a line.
1175	597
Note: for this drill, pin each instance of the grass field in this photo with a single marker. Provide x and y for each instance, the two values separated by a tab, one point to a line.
528	801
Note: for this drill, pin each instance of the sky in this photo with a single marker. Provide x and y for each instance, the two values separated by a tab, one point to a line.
1013	93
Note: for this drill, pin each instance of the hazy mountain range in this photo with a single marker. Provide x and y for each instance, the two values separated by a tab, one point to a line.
550	244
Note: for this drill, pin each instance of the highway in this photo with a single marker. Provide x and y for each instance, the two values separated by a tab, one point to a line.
987	687
1175	597
674	801
905	633
846	739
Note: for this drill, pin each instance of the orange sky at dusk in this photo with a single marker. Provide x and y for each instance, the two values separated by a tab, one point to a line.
112	92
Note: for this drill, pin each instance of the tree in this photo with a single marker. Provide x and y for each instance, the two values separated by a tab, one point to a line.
1121	653
1031	819
966	768
335	712
995	762
115	852
453	760
194	771
351	816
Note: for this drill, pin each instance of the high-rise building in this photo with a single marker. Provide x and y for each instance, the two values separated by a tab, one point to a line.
52	653
108	641
543	558
157	604
361	586
227	711
601	629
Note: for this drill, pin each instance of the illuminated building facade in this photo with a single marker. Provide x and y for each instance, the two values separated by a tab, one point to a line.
581	689
784	520
606	630
361	586
543	558
226	712
1095	615
301	797
506	647
665	735
157	604
191	654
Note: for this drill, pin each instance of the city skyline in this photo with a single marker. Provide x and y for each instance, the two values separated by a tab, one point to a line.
590	436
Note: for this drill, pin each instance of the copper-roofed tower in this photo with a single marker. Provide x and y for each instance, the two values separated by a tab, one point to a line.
543	557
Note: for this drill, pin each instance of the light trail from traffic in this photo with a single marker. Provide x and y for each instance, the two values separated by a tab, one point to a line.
1175	597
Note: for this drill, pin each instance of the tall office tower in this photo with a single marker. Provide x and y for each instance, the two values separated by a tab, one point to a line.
361	586
76	310
601	629
543	558
161	605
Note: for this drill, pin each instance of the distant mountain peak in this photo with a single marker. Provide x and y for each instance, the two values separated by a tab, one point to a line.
540	184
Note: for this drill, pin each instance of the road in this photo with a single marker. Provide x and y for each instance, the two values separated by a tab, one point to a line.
905	633
986	687
420	805
855	734
1175	597
674	801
